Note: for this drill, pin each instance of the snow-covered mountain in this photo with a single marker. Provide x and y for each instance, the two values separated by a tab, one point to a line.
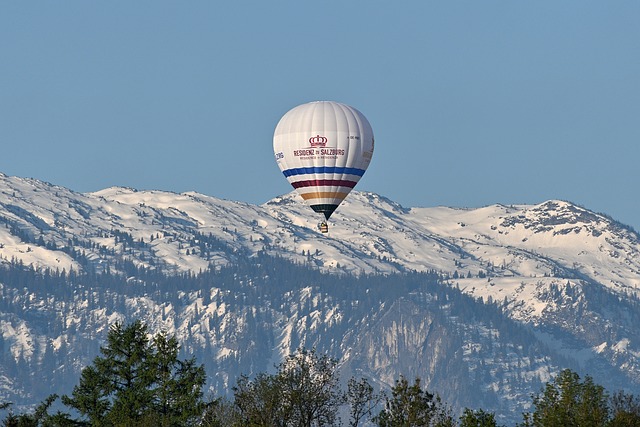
569	276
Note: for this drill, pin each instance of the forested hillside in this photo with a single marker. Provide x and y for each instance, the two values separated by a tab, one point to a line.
246	317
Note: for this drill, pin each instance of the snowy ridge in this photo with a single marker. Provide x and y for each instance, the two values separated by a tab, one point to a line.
368	233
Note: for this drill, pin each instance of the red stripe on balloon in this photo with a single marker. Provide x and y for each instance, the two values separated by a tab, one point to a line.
324	183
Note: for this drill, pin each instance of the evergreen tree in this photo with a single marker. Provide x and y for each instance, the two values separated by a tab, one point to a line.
566	401
40	416
411	406
178	384
478	418
138	381
90	397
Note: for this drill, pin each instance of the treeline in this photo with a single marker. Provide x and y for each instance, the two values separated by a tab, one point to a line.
139	380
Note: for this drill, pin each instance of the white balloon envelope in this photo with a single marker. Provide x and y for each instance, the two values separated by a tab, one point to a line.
323	148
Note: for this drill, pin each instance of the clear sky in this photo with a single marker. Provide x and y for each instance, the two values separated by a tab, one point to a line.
472	102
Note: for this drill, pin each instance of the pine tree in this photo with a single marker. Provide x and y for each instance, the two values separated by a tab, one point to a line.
138	381
412	406
478	418
178	384
567	401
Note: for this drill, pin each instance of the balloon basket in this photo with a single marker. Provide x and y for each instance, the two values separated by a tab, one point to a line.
323	227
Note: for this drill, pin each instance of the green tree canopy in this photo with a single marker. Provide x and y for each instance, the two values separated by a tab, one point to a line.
625	410
412	406
477	418
139	381
567	401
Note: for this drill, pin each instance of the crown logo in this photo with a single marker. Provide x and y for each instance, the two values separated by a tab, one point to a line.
318	141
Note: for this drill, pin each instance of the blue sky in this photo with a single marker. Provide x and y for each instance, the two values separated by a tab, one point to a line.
472	103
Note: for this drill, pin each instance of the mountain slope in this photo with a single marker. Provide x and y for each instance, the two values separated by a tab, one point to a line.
369	233
568	275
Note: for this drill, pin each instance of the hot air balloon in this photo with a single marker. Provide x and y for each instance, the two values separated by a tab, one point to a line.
323	148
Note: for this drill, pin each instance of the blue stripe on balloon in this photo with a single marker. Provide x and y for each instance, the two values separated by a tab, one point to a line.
323	169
